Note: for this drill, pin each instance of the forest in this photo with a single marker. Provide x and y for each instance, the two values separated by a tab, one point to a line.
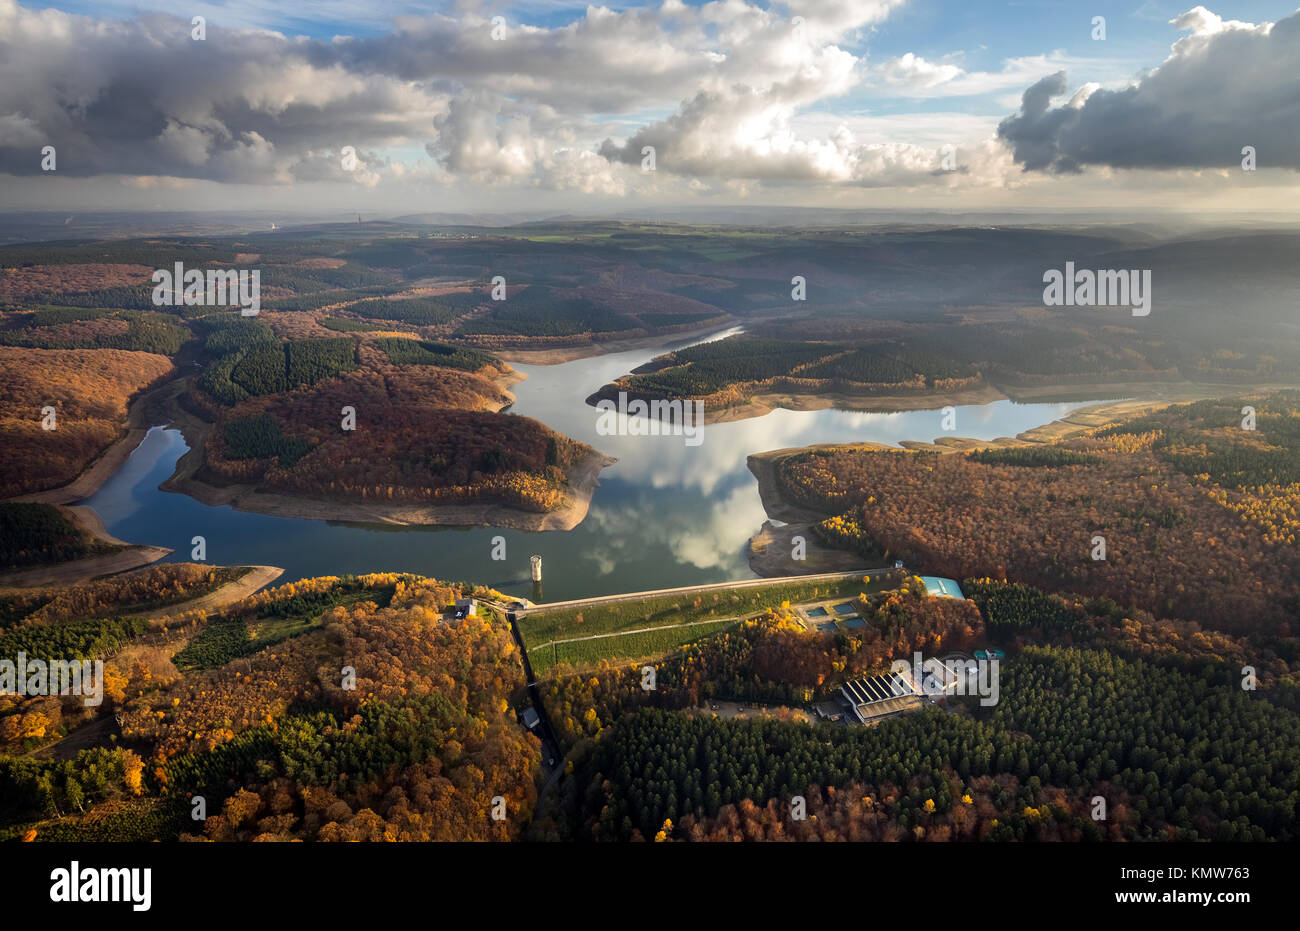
1032	456
538	311
279	750
1178	543
243	632
102	619
1253	472
140	590
1123	675
247	360
348	325
90	328
659	766
896	349
71	640
729	370
423	352
88	390
261	729
33	534
425	434
420	311
1041	745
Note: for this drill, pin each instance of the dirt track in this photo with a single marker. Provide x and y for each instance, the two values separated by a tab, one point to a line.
228	594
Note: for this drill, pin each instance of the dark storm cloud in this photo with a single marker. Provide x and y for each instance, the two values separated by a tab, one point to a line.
1225	86
141	97
144	98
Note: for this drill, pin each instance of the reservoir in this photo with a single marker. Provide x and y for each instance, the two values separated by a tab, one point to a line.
666	514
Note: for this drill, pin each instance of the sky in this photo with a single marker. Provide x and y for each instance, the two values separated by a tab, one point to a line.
389	106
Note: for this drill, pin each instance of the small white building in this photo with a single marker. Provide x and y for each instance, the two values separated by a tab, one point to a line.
466	607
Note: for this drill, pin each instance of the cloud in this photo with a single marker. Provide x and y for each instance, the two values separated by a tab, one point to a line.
914	71
1226	85
139	96
914	77
142	97
723	91
748	134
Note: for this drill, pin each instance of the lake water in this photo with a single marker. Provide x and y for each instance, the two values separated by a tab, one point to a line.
665	515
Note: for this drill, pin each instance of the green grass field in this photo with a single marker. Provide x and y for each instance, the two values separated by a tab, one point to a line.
226	638
629	647
704	612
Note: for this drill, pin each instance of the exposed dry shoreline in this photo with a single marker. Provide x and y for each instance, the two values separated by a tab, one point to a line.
577	497
758	405
562	354
257	578
142	409
770	549
771	552
761	404
158	406
91	479
81	570
583	479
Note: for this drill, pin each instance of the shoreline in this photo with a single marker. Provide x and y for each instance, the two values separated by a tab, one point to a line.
85	485
769	552
800	519
488	514
135	556
577	491
256	579
759	405
157	406
104	466
561	354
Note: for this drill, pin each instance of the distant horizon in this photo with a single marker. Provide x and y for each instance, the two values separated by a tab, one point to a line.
22	226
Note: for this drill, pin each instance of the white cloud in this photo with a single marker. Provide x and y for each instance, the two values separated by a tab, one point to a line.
914	71
740	99
1225	85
